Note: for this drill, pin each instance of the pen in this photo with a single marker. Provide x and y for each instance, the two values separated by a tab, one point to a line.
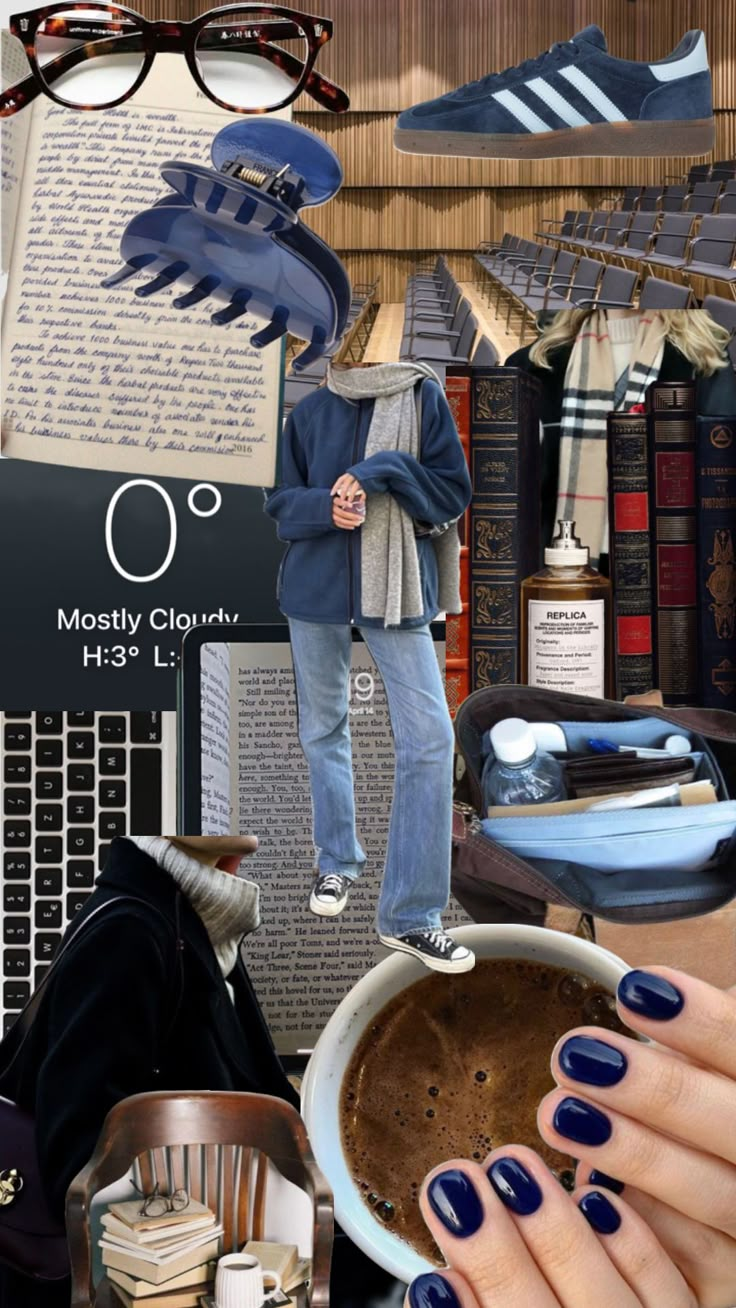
675	747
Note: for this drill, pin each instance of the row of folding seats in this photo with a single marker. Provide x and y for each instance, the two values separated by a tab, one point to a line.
439	324
717	196
684	243
532	278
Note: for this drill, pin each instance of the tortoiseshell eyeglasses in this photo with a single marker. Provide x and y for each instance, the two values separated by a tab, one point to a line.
250	59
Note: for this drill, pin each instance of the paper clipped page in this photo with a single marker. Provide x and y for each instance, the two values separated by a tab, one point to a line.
99	378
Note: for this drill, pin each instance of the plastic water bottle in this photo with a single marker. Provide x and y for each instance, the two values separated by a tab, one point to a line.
520	773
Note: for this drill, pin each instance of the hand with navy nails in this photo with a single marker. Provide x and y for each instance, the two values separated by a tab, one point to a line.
652	1223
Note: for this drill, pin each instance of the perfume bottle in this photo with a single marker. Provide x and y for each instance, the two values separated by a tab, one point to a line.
566	636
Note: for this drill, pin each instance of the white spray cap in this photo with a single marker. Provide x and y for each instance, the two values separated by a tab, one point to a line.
549	737
565	550
513	741
678	745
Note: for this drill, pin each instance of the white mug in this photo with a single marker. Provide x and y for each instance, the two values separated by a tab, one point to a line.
321	1098
239	1282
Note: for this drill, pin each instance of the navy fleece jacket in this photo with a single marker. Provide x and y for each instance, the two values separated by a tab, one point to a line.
324	437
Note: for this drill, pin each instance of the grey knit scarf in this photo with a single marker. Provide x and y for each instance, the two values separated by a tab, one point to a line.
228	905
390	579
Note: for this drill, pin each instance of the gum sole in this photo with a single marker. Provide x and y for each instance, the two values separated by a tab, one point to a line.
665	139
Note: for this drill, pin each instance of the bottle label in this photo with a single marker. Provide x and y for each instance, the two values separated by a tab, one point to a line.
567	645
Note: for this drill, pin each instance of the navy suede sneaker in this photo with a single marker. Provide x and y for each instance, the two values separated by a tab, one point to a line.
574	100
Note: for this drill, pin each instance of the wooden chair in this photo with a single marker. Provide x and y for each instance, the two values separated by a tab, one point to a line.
215	1145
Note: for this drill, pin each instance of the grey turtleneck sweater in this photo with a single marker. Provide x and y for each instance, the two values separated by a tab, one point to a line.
228	905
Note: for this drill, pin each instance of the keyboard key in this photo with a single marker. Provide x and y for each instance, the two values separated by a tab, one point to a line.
25	714
74	904
111	730
8	1023
145	728
16	801
81	808
17	931
111	825
16	899
16	994
49	817
17	768
17	867
49	785
48	881
39	973
81	718
48	724
80	776
17	736
145	792
17	962
49	849
17	835
112	794
45	946
102	853
49	753
112	762
80	872
80	744
48	914
80	841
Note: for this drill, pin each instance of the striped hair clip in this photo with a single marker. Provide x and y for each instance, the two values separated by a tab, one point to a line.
232	233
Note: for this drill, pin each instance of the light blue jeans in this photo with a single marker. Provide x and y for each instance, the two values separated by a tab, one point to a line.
416	881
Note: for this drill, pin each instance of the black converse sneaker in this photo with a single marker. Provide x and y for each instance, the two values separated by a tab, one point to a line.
435	948
330	894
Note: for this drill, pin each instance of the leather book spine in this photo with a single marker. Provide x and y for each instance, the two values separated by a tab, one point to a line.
716	570
671	420
630	549
457	627
505	516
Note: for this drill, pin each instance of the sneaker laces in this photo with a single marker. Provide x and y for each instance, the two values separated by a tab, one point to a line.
330	884
438	939
555	52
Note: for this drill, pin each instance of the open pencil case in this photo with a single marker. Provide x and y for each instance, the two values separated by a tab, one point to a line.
232	232
629	865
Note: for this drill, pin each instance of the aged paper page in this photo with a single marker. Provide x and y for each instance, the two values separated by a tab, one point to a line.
14	131
98	378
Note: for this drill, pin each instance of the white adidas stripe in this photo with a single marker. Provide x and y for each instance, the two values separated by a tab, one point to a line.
525	115
593	93
561	106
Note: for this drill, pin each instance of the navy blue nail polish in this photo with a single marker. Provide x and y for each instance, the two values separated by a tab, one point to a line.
581	1122
454	1199
607	1182
515	1186
583	1058
432	1291
650	996
600	1213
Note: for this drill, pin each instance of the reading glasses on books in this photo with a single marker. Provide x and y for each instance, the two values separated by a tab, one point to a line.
250	59
157	1204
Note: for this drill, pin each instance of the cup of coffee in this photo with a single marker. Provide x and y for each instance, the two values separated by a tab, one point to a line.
240	1282
417	1067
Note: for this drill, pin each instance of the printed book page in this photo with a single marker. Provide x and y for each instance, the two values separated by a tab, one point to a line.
14	132
99	378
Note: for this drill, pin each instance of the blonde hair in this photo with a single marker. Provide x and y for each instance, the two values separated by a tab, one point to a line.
692	331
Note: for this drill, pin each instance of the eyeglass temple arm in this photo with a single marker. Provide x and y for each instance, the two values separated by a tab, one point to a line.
320	88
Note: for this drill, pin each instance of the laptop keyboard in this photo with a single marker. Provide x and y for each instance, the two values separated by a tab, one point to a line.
71	783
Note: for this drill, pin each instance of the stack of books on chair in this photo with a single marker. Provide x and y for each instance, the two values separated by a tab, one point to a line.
160	1262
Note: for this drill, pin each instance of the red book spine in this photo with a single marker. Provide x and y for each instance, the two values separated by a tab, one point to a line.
457	650
630	548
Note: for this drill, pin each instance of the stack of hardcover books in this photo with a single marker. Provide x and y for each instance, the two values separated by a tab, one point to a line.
160	1262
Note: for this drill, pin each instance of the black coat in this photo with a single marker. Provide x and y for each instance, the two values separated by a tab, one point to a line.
100	1034
716	395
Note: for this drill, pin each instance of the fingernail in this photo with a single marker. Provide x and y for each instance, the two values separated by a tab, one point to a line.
515	1186
581	1122
608	1182
454	1199
650	996
432	1291
600	1213
583	1058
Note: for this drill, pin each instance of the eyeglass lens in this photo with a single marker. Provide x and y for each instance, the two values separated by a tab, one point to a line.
252	59
91	56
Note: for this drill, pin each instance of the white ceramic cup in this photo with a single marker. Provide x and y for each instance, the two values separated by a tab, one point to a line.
321	1088
239	1282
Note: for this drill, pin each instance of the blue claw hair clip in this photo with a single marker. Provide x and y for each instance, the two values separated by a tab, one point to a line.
232	232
